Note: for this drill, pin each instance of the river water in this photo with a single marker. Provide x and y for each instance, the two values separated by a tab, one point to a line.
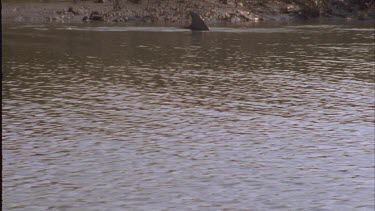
160	118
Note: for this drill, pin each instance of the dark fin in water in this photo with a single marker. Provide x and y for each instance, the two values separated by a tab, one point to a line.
197	23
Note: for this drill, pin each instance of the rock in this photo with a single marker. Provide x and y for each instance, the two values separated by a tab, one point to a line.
120	19
224	17
235	19
135	1
96	16
116	5
149	19
60	12
363	17
73	11
289	8
244	15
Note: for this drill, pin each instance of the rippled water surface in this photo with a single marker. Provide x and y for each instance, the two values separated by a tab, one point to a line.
160	118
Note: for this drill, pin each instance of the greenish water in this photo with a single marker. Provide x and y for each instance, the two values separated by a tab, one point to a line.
160	118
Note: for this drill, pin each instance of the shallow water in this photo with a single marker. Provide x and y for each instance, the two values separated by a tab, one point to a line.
160	118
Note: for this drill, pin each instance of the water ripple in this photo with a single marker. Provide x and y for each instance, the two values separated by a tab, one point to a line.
188	121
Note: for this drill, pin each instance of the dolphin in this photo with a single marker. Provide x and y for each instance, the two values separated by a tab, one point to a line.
197	23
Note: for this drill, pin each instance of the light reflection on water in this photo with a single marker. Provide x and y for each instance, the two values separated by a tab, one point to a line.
109	120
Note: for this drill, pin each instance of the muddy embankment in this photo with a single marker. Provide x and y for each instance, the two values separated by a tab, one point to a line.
176	11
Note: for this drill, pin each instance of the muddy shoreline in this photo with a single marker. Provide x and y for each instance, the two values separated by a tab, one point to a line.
164	12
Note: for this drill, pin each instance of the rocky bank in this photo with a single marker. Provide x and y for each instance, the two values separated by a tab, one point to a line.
176	11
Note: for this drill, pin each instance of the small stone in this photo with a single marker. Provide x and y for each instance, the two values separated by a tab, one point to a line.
235	19
96	16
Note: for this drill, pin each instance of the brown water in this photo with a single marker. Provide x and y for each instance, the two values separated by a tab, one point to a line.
160	118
